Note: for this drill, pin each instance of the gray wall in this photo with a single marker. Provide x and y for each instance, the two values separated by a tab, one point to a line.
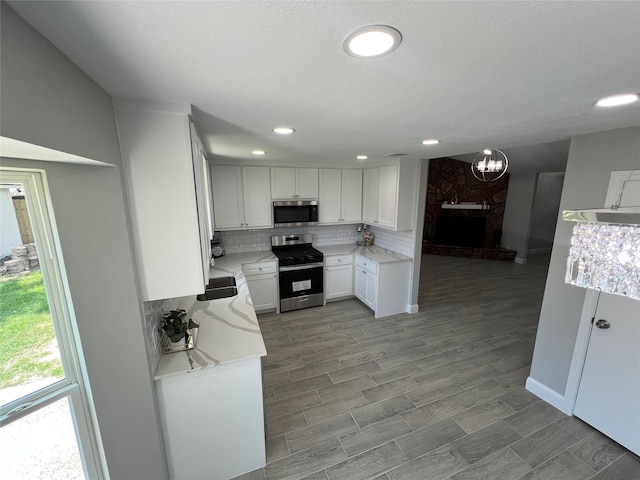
545	211
47	100
592	158
517	213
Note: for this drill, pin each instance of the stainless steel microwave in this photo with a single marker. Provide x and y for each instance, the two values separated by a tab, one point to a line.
295	213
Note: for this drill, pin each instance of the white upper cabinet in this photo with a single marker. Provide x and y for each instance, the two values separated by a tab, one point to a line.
294	183
352	196
164	166
241	197
228	198
388	196
257	197
340	195
370	196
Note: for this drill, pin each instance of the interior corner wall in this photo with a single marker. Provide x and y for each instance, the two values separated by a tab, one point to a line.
545	211
41	86
517	214
592	158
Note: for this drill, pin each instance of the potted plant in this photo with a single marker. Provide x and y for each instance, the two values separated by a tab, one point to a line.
175	327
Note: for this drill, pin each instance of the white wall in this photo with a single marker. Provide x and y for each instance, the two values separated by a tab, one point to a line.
591	159
517	213
545	211
9	229
47	100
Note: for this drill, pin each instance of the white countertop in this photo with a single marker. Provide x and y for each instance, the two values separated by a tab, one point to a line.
229	330
374	253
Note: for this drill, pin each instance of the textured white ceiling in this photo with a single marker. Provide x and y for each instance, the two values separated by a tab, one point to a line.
473	74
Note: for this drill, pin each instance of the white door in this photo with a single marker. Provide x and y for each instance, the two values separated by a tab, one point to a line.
352	196
329	195
283	182
264	291
257	197
371	290
307	183
360	283
388	196
227	197
370	195
338	281
609	392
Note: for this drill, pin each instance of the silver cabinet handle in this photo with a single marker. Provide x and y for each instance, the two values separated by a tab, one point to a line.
602	323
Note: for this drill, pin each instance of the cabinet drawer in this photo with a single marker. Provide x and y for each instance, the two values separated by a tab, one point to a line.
368	265
257	268
338	260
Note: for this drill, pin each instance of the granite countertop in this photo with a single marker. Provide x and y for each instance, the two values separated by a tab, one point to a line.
229	330
374	253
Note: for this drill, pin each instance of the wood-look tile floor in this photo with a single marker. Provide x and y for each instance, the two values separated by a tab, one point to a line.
435	395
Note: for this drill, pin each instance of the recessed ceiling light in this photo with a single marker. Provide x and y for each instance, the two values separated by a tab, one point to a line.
361	157
616	100
372	41
284	130
259	152
430	141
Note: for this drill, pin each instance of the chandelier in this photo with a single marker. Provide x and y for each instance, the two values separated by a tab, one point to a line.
489	165
605	250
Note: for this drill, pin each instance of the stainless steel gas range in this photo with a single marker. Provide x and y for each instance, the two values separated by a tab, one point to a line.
301	271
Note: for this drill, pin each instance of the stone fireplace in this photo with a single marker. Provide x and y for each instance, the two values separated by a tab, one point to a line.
463	215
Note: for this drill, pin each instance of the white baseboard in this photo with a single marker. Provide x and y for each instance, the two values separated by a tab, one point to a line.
412	308
550	396
520	260
533	251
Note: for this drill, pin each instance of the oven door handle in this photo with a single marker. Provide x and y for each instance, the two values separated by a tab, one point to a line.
301	267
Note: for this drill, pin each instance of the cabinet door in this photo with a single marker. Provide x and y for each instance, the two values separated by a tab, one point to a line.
371	290
370	195
360	289
329	210
264	291
228	199
351	196
307	183
387	196
156	154
283	182
203	201
338	281
257	197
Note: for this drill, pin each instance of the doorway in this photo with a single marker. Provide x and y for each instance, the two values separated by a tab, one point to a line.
47	425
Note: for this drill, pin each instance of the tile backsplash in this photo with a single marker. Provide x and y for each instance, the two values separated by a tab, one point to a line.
238	241
153	312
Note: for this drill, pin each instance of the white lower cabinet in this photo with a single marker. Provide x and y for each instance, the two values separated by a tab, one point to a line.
262	280
383	287
212	420
366	282
338	276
